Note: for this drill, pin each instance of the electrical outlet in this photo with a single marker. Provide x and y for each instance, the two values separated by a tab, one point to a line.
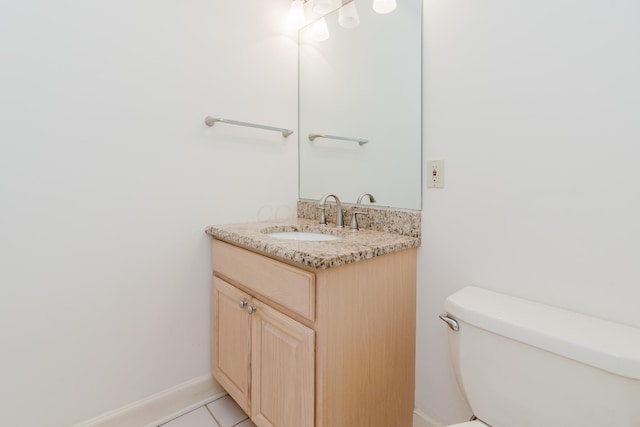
435	173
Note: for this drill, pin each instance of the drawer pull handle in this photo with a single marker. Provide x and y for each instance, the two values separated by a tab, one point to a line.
243	303
251	309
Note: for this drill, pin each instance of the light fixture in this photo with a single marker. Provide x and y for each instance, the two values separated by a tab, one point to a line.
321	7
296	19
384	6
319	30
348	16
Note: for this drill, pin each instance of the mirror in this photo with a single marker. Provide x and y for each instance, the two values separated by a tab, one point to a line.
363	83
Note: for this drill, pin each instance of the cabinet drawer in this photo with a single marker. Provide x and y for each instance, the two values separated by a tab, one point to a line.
283	284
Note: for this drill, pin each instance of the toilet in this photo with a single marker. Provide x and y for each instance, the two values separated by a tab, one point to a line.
525	364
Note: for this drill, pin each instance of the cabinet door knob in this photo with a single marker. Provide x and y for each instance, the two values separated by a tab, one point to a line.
243	303
251	309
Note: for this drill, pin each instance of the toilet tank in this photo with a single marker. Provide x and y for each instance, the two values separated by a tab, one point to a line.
525	364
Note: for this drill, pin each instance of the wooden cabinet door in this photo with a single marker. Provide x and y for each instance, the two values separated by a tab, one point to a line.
231	341
282	384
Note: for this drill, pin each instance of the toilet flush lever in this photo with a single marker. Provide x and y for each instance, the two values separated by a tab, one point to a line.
451	322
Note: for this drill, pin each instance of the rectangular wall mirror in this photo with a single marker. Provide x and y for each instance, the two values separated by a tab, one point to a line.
363	84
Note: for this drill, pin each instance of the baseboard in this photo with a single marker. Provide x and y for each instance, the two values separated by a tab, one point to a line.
420	419
169	404
161	407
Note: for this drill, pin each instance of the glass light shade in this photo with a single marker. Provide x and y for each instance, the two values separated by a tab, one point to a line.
384	6
296	19
319	30
348	16
321	7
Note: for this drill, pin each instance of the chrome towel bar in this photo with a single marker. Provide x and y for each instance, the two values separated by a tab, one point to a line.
360	141
210	121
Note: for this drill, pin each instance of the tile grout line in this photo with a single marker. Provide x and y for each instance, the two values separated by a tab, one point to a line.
240	422
215	420
246	416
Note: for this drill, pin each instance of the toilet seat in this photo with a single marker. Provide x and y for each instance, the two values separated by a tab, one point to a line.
476	423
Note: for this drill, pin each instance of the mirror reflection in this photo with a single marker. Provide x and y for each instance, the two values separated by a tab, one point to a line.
360	105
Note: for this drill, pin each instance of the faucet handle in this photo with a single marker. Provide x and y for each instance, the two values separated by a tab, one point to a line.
354	219
323	216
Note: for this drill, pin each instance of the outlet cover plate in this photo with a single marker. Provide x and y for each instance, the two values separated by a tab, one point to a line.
435	173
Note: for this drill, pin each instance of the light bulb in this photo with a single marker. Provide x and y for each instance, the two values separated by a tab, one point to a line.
348	16
319	30
321	7
384	6
296	19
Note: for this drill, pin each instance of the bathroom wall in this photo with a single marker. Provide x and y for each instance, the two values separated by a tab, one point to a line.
108	177
534	106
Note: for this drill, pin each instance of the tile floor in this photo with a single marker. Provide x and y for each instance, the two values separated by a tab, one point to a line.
223	412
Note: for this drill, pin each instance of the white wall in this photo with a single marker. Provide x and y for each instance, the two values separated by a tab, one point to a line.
534	106
108	178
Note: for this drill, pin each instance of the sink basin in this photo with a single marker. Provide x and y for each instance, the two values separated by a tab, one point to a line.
303	236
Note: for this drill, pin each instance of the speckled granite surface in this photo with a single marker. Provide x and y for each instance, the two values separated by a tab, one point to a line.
388	220
352	246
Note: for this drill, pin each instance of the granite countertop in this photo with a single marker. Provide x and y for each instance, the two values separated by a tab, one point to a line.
353	246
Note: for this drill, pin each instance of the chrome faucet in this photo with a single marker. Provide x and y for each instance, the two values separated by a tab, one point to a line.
354	212
323	218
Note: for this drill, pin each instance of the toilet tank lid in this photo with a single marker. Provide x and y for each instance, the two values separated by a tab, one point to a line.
607	345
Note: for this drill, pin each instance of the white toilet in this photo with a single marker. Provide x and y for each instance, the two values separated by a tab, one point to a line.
524	364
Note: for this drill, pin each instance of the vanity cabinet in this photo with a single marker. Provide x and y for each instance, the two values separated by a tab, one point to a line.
302	347
263	358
